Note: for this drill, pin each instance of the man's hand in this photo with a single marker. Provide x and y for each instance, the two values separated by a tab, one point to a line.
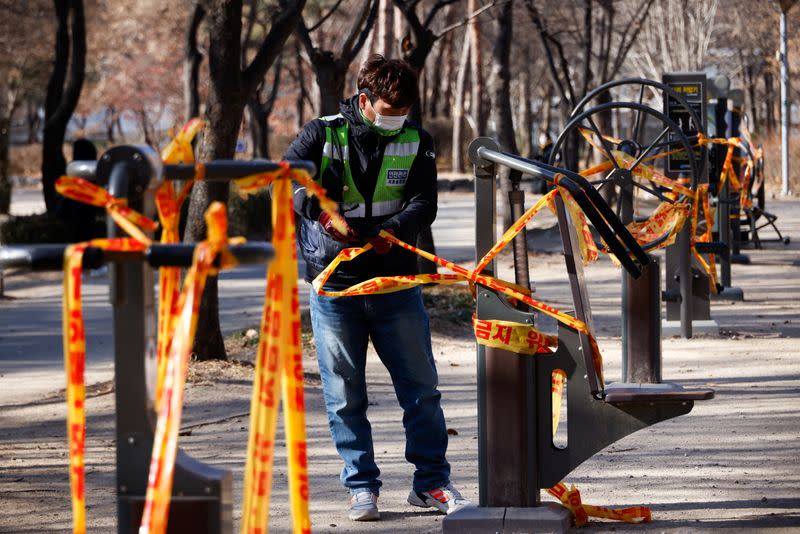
327	224
381	245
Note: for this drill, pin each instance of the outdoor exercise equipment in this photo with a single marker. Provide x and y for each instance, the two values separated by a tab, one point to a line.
201	494
517	456
643	142
693	87
754	216
728	197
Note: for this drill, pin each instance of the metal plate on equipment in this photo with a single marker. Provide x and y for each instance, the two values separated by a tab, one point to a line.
692	86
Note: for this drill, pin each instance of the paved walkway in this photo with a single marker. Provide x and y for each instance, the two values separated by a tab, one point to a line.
731	465
31	361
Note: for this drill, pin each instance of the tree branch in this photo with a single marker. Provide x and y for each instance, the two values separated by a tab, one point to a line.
368	7
435	9
248	30
362	38
77	66
466	20
273	92
546	39
304	36
587	45
410	14
624	47
283	23
325	16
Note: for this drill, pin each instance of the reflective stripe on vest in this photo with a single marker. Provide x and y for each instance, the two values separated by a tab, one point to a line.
397	159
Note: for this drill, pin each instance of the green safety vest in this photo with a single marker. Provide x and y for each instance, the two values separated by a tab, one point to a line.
390	186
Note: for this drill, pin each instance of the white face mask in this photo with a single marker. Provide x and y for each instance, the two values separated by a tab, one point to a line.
389	123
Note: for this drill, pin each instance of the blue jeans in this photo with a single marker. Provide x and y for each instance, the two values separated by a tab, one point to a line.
398	326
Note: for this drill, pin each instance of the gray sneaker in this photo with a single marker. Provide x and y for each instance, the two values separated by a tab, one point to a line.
364	506
446	499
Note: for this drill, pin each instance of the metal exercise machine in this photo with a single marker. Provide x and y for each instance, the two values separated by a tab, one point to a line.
517	455
202	495
641	131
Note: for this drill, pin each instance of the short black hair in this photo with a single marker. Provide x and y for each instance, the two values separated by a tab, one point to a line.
392	80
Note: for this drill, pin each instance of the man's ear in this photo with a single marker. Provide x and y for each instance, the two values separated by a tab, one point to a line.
362	101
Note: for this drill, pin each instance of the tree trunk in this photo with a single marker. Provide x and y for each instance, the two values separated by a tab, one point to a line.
143	123
477	89
604	123
110	120
330	78
224	110
442	65
500	94
302	94
5	182
769	102
546	121
259	129
385	38
525	111
61	101
191	65
751	91
228	90
33	121
457	157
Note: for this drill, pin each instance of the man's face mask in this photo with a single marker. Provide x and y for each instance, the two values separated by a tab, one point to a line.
384	123
389	123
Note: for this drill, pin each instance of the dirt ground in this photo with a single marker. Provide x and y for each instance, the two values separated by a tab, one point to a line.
732	464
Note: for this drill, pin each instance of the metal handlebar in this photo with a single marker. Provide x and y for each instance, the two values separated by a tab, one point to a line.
616	236
51	257
217	171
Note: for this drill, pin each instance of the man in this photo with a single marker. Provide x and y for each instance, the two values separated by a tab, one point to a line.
381	169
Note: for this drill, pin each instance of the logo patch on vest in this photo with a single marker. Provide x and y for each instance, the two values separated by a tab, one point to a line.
396	177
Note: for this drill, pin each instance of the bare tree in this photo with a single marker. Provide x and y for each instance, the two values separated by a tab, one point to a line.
477	90
675	38
68	68
330	67
191	63
260	107
416	46
230	86
385	39
25	64
500	93
457	158
602	43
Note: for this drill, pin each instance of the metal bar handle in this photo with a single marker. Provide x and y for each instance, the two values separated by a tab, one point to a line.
217	171
608	225
51	257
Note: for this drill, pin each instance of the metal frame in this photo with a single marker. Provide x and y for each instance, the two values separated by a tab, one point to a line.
202	494
517	457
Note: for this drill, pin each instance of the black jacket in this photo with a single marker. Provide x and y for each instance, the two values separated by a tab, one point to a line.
366	154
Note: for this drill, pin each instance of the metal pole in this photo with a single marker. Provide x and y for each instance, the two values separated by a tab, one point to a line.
685	274
641	325
516	199
485	234
785	122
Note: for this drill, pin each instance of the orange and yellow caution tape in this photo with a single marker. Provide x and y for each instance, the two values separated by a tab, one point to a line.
133	222
74	344
168	205
278	375
571	498
162	462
